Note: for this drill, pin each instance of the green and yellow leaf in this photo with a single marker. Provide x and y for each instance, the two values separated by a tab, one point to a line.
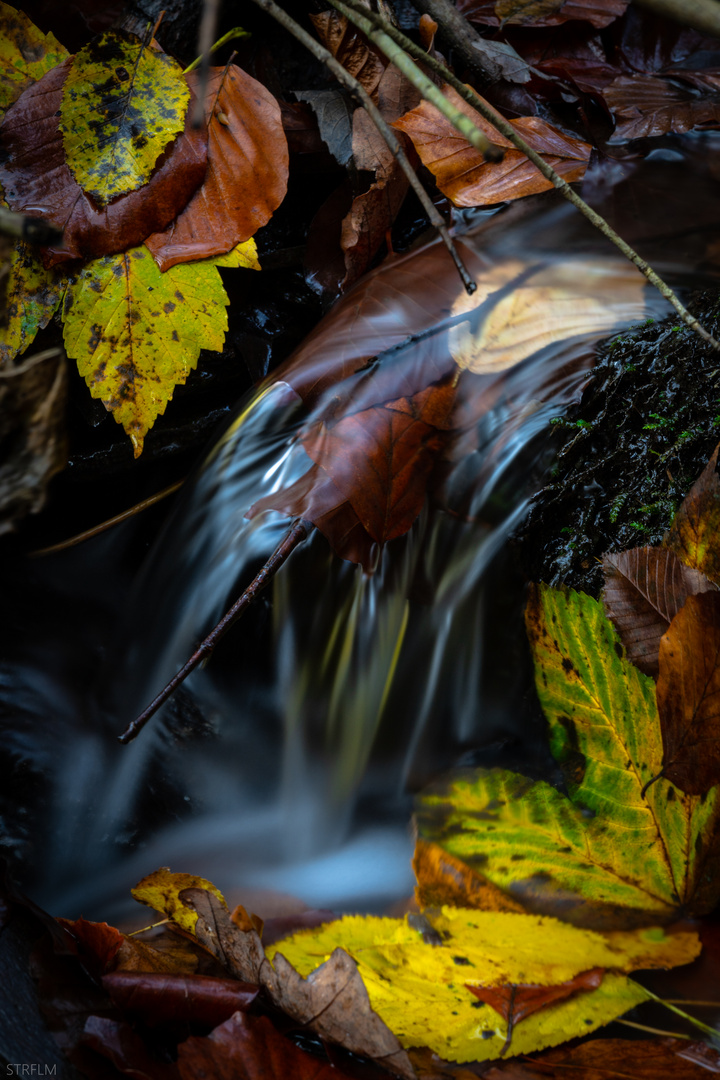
161	891
33	295
137	333
123	103
410	980
26	54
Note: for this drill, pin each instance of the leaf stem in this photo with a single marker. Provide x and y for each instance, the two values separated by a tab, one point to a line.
236	32
713	1032
653	1030
358	91
298	532
369	22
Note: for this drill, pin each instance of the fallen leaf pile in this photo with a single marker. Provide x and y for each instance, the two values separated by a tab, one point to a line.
103	142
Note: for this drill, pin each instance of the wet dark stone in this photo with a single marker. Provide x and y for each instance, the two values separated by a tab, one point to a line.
628	453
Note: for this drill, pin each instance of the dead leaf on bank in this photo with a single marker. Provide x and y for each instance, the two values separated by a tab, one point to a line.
688	694
693	535
34	174
162	998
250	1048
649	105
98	942
334	113
599	13
247	171
462	173
644	590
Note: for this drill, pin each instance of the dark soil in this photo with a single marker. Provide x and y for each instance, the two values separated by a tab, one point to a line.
629	451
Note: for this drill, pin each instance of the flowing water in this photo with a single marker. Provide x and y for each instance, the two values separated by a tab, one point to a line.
343	691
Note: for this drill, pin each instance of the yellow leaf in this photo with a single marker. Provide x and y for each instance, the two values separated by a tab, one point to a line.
541	305
137	333
419	988
161	891
123	103
26	54
244	255
33	294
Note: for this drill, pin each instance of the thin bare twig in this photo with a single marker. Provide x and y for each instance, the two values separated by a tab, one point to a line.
385	130
375	28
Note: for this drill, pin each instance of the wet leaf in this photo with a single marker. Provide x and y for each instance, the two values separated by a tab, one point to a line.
122	104
334	116
34	174
693	535
126	1049
644	590
32	297
460	170
599	13
136	333
648	105
410	979
246	174
161	891
608	1059
607	855
26	54
156	998
688	695
443	879
250	1048
351	49
96	941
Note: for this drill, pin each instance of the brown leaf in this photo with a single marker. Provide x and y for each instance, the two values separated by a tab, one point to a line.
466	178
616	1059
693	535
647	105
250	1048
688	695
158	998
247	171
334	1003
516	1001
119	1043
444	879
351	49
96	941
644	590
241	952
33	174
542	12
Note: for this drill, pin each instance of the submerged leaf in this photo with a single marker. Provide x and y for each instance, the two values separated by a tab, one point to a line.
247	171
694	533
25	54
123	103
688	695
462	173
644	590
648	105
542	12
32	297
136	333
410	979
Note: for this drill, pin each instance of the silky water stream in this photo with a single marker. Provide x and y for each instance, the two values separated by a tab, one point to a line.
289	761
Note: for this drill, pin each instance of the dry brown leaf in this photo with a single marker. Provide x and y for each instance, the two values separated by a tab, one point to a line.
462	173
644	590
351	49
241	952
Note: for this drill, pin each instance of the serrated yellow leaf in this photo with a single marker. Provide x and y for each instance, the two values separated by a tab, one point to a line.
161	891
26	54
33	295
242	255
123	103
137	333
419	988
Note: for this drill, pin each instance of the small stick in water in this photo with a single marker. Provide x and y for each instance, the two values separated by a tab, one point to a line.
299	532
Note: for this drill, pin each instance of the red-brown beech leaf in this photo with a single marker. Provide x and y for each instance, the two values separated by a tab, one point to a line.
246	175
644	590
544	13
647	105
250	1048
159	998
35	179
615	1059
688	695
96	942
515	1002
351	49
466	178
125	1047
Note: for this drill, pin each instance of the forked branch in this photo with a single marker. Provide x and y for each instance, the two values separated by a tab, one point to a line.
299	532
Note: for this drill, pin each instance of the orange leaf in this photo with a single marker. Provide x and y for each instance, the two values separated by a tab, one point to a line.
460	170
515	1002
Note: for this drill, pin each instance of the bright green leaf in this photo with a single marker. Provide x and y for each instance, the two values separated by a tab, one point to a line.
26	54
33	294
419	988
122	105
137	333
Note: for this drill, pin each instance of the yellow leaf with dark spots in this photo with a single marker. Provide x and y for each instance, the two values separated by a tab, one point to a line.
123	104
26	54
136	333
33	294
161	891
